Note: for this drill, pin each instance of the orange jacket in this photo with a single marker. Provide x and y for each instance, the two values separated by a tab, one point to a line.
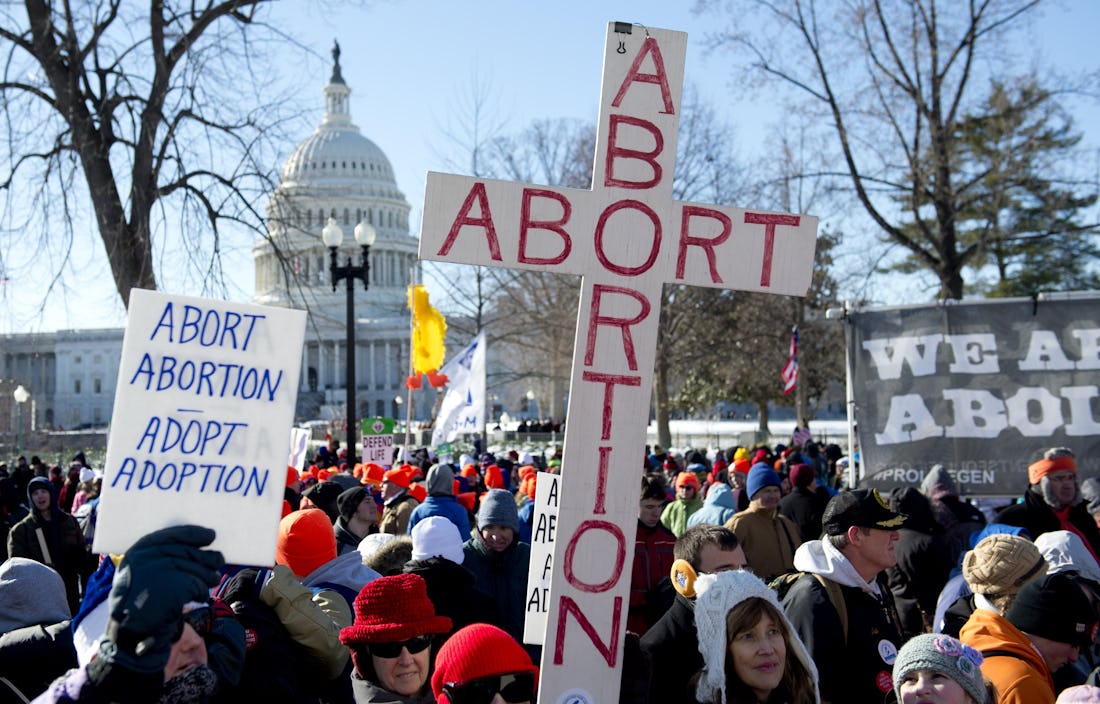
1020	678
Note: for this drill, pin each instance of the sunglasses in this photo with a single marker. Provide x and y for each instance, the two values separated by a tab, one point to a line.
517	687
200	619
393	650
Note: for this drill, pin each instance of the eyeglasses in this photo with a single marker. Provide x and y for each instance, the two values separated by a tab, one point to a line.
393	650
516	687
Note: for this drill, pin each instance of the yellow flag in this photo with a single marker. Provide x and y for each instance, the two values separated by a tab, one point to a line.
429	327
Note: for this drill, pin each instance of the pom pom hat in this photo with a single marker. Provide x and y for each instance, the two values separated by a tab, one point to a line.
476	651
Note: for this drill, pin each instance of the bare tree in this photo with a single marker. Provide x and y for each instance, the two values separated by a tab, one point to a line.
893	78
159	119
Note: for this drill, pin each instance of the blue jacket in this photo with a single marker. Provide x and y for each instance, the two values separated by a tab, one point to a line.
718	507
446	506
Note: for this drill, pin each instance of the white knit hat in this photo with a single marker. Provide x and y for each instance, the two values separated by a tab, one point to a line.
436	536
716	594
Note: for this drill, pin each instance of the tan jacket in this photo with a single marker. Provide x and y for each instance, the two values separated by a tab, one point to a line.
396	515
312	620
769	540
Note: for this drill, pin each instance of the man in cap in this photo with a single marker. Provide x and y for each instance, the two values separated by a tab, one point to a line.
1053	501
844	611
675	515
397	503
769	538
1046	627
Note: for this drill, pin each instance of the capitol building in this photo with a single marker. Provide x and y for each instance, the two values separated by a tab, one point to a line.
334	173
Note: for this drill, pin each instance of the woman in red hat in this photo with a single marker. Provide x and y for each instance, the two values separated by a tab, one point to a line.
481	664
391	641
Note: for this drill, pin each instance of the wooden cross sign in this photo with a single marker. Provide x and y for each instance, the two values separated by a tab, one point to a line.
626	238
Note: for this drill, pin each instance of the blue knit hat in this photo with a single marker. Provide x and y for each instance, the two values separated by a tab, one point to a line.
498	508
760	477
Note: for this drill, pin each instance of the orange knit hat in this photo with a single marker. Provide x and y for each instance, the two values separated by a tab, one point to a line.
306	541
1040	469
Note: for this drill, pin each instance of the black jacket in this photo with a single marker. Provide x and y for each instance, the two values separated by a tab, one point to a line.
858	669
1037	517
672	648
805	507
34	656
453	594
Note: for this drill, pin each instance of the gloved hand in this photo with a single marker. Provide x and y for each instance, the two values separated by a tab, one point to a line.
161	572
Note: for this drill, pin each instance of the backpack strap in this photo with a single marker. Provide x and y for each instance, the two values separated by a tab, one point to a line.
997	653
46	557
836	596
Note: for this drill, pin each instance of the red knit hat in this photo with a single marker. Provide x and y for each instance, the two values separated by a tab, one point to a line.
399	476
291	475
1040	469
390	610
741	466
306	541
493	477
464	657
801	475
418	492
469	471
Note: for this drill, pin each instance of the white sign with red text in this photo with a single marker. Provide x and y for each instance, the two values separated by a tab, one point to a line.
626	238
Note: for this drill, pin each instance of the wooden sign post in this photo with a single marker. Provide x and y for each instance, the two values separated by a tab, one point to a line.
626	237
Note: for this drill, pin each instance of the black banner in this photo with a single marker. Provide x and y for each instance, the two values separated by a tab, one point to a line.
980	387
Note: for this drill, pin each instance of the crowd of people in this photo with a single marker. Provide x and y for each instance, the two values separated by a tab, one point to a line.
758	578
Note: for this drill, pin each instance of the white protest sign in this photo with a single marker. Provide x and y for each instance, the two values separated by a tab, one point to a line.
206	392
299	444
378	440
543	530
626	237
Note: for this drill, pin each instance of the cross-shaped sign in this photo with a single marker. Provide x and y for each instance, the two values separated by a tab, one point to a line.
626	238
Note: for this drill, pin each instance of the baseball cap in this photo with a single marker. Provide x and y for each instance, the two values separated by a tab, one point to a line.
863	508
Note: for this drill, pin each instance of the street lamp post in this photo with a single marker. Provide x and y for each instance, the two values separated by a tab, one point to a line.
20	395
332	235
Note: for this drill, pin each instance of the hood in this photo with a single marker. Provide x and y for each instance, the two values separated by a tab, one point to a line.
30	594
1066	552
347	570
986	630
441	480
820	557
720	495
918	508
938	483
45	483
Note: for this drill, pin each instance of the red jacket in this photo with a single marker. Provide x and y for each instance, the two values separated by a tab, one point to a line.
653	560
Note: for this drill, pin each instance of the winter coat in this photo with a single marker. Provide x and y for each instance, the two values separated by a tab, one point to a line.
768	538
346	541
63	538
446	506
923	562
503	576
1020	678
856	668
718	507
452	592
367	692
672	646
345	575
676	515
805	507
1037	517
650	587
34	656
396	514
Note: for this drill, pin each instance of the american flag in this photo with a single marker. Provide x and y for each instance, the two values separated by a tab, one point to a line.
790	369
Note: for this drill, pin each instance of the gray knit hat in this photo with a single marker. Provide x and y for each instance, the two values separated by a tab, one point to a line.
498	508
942	653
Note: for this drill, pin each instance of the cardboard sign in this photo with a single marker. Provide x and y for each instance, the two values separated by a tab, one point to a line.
378	440
543	531
206	392
626	238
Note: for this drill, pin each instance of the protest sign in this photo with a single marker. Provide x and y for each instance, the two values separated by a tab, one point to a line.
980	387
299	446
378	440
206	392
626	237
543	531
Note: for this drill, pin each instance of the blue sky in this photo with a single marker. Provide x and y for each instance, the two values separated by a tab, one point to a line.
412	65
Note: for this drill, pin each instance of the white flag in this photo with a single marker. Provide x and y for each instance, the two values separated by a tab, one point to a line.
463	408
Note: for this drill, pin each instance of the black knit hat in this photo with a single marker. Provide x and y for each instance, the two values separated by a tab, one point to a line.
1055	608
347	503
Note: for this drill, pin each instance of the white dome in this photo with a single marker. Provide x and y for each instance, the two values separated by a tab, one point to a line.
339	157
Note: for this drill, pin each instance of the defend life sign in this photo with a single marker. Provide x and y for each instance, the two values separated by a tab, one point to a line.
626	238
981	387
378	440
206	393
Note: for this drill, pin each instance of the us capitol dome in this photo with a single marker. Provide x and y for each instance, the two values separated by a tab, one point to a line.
338	173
